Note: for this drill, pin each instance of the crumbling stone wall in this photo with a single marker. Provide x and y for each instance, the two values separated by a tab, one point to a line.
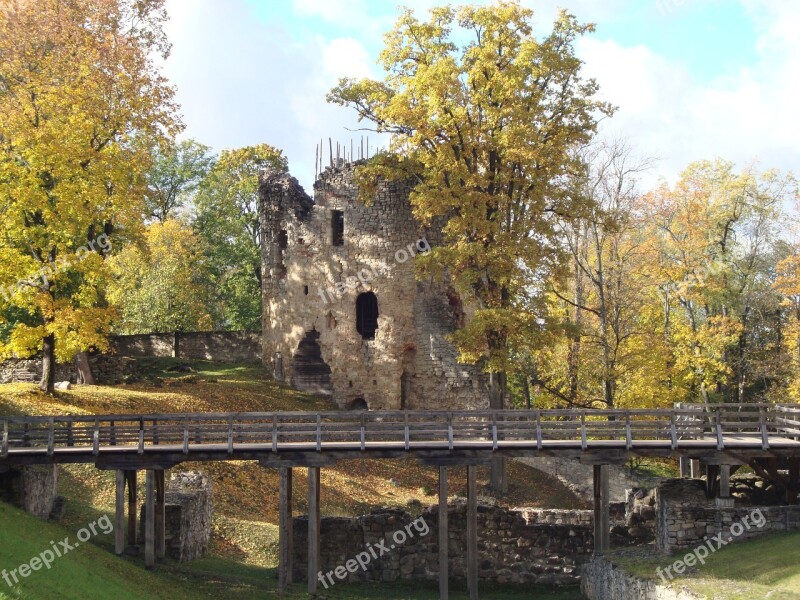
106	370
685	517
188	513
232	346
519	545
32	488
311	284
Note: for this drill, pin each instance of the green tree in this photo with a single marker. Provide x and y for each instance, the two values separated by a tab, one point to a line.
80	94
227	220
175	175
486	120
161	285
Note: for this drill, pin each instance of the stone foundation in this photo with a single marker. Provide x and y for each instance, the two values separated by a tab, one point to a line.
106	370
31	488
189	509
601	580
685	517
519	545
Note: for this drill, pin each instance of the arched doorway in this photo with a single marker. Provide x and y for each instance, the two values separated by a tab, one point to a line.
311	372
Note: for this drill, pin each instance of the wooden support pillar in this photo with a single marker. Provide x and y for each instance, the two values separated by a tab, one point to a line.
313	529
443	535
695	469
793	487
472	532
149	520
160	515
711	480
601	514
685	467
119	514
131	479
285	529
725	481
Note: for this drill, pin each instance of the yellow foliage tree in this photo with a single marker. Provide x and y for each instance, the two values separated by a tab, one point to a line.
81	103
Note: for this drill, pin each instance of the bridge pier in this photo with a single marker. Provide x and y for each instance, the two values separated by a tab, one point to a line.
601	514
444	567
313	528
285	529
154	521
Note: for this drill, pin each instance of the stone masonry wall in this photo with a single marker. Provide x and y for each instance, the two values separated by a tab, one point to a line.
602	580
231	346
514	545
106	370
311	287
685	517
32	488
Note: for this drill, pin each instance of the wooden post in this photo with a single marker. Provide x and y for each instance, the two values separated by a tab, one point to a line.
285	529
160	516
443	536
684	467
313	528
601	514
149	521
793	489
724	481
119	514
695	469
133	502
472	532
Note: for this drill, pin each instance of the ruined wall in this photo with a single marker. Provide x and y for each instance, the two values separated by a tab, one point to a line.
106	370
514	546
311	287
686	518
32	488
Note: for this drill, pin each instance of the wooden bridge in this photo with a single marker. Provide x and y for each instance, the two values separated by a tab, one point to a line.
721	436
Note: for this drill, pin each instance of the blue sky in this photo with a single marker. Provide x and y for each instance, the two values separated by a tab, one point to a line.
693	79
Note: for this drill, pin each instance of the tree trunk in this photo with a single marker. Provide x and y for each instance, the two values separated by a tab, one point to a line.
48	382
84	369
497	393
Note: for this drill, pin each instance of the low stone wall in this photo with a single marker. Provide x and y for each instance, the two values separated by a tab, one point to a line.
229	346
685	517
514	545
31	488
106	370
601	580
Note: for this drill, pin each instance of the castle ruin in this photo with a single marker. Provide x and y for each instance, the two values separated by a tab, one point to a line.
343	312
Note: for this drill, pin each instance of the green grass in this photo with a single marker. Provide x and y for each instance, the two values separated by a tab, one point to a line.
91	571
766	567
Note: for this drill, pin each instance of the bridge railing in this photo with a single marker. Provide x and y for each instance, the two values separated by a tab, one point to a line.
445	429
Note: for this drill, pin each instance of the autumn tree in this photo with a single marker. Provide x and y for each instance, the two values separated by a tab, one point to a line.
176	174
162	284
485	119
79	96
227	220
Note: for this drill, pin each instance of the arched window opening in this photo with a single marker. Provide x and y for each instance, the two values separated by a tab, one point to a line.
367	315
357	404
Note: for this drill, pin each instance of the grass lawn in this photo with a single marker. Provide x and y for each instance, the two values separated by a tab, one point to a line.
764	568
91	571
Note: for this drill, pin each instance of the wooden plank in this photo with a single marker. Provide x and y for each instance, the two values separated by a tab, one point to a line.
601	509
443	536
119	513
149	521
472	532
724	481
313	528
285	529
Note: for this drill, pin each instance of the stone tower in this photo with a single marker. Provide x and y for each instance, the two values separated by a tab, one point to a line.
343	312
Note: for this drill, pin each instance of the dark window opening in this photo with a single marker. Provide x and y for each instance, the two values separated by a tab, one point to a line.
282	243
305	290
357	404
337	227
367	315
